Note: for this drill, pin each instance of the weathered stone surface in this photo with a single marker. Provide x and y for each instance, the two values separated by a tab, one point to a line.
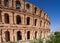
25	22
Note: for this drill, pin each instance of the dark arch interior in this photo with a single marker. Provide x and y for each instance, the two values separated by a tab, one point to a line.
35	34
7	36
40	23
35	9
6	18
18	19
28	20
27	6
40	13
35	22
19	35
28	35
6	2
18	4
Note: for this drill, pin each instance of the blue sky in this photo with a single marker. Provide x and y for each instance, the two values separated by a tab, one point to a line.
52	7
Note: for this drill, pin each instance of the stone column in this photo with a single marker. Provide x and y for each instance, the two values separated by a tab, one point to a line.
14	4
31	21
3	17
15	18
42	35
32	34
3	36
22	19
31	8
38	23
11	35
22	5
42	23
38	34
15	34
11	18
23	35
2	2
10	2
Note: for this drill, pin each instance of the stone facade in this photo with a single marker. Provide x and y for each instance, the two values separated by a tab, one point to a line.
20	20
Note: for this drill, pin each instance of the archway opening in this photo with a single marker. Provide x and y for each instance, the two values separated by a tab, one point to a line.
28	20
6	2
19	35
35	9
35	22
40	12
27	6
35	34
18	4
18	19
28	35
7	36
6	18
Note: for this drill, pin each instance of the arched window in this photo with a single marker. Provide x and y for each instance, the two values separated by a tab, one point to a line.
6	2
28	35
18	19
28	20
40	23
35	34
0	16
18	4
27	6
35	22
35	9
6	18
40	13
19	35
7	36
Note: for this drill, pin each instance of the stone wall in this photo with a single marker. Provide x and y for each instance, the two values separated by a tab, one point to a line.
23	22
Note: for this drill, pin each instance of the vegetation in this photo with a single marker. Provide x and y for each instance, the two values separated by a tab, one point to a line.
52	39
37	41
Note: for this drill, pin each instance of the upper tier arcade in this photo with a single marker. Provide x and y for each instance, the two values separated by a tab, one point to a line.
11	9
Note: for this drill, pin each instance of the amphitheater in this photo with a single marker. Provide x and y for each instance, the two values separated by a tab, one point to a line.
20	20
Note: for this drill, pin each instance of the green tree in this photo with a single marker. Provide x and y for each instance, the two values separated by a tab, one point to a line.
54	38
37	40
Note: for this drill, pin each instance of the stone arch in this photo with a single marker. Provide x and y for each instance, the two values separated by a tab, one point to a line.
27	6
40	12
28	34
6	18
35	22
6	3
35	9
40	23
35	34
19	35
18	4
28	20
7	36
18	19
0	16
